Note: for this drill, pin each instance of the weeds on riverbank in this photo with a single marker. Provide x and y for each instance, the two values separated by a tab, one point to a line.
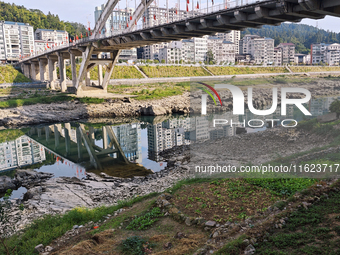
8	74
232	70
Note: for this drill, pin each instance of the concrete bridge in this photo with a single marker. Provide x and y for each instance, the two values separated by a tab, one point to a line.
231	15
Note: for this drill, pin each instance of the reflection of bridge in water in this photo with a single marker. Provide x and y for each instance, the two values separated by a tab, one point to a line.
76	143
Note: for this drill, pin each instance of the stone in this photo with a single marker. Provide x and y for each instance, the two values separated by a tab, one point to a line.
6	183
39	248
167	246
210	223
327	117
188	221
75	227
250	249
153	110
48	248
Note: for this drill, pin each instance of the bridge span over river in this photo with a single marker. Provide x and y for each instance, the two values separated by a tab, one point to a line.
231	15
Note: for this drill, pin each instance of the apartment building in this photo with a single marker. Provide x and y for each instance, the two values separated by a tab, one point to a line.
233	36
222	50
277	56
16	40
318	51
332	54
58	37
261	49
171	55
154	16
288	52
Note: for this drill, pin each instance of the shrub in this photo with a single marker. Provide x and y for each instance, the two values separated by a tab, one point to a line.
145	221
136	245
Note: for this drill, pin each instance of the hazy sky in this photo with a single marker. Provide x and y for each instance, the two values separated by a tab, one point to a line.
83	11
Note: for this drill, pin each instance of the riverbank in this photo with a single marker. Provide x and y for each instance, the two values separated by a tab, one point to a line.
179	104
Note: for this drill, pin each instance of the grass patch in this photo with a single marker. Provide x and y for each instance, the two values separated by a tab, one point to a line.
312	231
306	69
234	247
230	70
91	100
223	200
145	221
34	100
11	134
50	227
173	71
8	74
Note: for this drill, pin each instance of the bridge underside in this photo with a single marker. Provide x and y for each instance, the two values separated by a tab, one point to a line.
271	12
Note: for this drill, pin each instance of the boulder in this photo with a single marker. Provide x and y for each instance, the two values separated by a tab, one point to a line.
327	117
153	110
6	183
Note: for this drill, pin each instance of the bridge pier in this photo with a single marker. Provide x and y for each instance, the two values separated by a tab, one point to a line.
34	71
73	68
62	71
100	71
67	131
43	69
52	71
88	78
26	69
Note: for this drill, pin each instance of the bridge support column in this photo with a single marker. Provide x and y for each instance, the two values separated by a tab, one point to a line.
109	69
100	71
67	131
88	79
73	69
26	70
34	71
52	72
43	69
105	141
62	72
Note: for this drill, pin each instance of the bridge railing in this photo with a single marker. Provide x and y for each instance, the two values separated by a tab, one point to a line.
161	21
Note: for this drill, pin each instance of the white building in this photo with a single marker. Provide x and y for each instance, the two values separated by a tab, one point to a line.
261	49
58	37
332	54
288	52
277	56
222	50
233	36
318	52
154	16
16	40
22	151
171	55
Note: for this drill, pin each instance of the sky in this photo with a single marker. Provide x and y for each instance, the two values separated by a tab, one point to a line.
82	11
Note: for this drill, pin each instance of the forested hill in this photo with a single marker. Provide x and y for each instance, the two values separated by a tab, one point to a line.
36	18
299	34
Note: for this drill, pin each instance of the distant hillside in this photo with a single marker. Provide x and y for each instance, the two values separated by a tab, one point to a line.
299	34
36	18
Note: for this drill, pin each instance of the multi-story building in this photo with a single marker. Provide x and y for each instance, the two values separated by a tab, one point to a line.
171	55
332	54
154	16
261	49
152	51
117	21
188	49
58	37
318	52
301	59
233	36
16	40
277	56
41	46
22	151
288	52
222	50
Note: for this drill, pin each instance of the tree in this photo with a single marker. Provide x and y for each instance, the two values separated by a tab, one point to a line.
210	57
163	61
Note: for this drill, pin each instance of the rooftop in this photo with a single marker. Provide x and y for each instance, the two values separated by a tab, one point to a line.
15	23
51	30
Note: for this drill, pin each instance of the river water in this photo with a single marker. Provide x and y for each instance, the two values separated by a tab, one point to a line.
121	150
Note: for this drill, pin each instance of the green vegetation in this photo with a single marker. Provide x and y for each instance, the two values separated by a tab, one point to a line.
91	100
119	72
36	18
10	75
299	34
234	247
50	227
306	69
34	100
312	231
151	91
230	70
335	107
136	245
11	134
145	221
173	71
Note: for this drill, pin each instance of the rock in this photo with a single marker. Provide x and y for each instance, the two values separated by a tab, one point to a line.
327	117
249	250
188	221
75	227
153	110
210	223
48	248
39	248
180	235
6	183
